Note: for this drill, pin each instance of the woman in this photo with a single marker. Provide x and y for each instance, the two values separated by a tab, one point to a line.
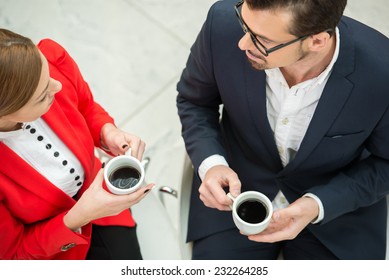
53	202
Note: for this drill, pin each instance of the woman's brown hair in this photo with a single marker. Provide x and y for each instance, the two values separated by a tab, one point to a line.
20	70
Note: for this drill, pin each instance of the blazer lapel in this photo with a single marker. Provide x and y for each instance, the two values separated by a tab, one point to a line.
60	124
256	95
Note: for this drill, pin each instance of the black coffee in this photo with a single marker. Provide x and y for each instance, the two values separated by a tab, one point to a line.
252	211
124	177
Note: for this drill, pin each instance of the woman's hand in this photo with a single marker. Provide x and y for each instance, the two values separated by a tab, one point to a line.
118	141
97	203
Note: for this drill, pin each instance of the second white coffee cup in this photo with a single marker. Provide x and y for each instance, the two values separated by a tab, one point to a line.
251	212
124	174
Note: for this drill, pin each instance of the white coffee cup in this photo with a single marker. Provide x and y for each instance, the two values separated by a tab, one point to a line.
124	174
251	211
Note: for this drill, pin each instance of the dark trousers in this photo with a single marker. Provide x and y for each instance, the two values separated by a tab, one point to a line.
114	243
232	245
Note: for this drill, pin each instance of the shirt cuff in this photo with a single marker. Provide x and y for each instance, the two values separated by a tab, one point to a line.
320	217
209	162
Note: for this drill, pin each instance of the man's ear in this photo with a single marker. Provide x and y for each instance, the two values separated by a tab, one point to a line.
319	41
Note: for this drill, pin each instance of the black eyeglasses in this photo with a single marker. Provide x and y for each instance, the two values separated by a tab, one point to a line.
265	51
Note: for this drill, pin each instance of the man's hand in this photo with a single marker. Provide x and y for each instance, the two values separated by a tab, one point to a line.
287	223
211	190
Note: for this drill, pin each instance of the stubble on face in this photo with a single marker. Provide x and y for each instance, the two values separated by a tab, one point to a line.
264	64
257	65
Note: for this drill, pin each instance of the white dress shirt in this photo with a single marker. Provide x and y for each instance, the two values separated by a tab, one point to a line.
289	111
39	146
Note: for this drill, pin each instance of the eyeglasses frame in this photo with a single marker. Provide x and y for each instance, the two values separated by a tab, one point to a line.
265	50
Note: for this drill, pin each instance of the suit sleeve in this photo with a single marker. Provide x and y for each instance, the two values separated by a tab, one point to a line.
198	99
41	240
364	182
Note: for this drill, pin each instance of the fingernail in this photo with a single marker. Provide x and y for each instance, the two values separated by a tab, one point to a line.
103	165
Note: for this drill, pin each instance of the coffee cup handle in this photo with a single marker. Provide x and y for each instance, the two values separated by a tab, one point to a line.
128	152
232	198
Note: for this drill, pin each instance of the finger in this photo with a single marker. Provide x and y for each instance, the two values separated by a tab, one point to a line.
126	149
279	221
234	184
206	197
118	145
138	147
270	234
133	144
267	238
218	194
125	146
276	236
210	201
234	188
148	188
138	195
213	190
231	201
283	226
98	181
141	150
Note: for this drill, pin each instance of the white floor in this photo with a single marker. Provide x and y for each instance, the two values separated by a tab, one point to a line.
132	54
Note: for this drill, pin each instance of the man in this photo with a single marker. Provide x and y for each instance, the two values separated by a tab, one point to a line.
305	95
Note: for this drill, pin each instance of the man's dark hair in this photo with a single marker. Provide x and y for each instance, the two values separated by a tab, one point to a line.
309	16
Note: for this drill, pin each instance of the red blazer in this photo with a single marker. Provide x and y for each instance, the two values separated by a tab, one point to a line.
31	208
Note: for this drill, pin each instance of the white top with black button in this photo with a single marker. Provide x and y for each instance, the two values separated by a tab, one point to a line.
38	145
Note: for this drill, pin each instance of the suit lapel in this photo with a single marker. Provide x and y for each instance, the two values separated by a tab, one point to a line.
256	95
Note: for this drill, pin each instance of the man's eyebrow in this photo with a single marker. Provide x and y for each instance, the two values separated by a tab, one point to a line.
44	91
263	37
257	35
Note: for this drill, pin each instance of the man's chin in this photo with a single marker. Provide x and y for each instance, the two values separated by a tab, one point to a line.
257	66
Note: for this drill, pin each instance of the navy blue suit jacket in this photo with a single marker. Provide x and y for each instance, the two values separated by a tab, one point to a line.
343	158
